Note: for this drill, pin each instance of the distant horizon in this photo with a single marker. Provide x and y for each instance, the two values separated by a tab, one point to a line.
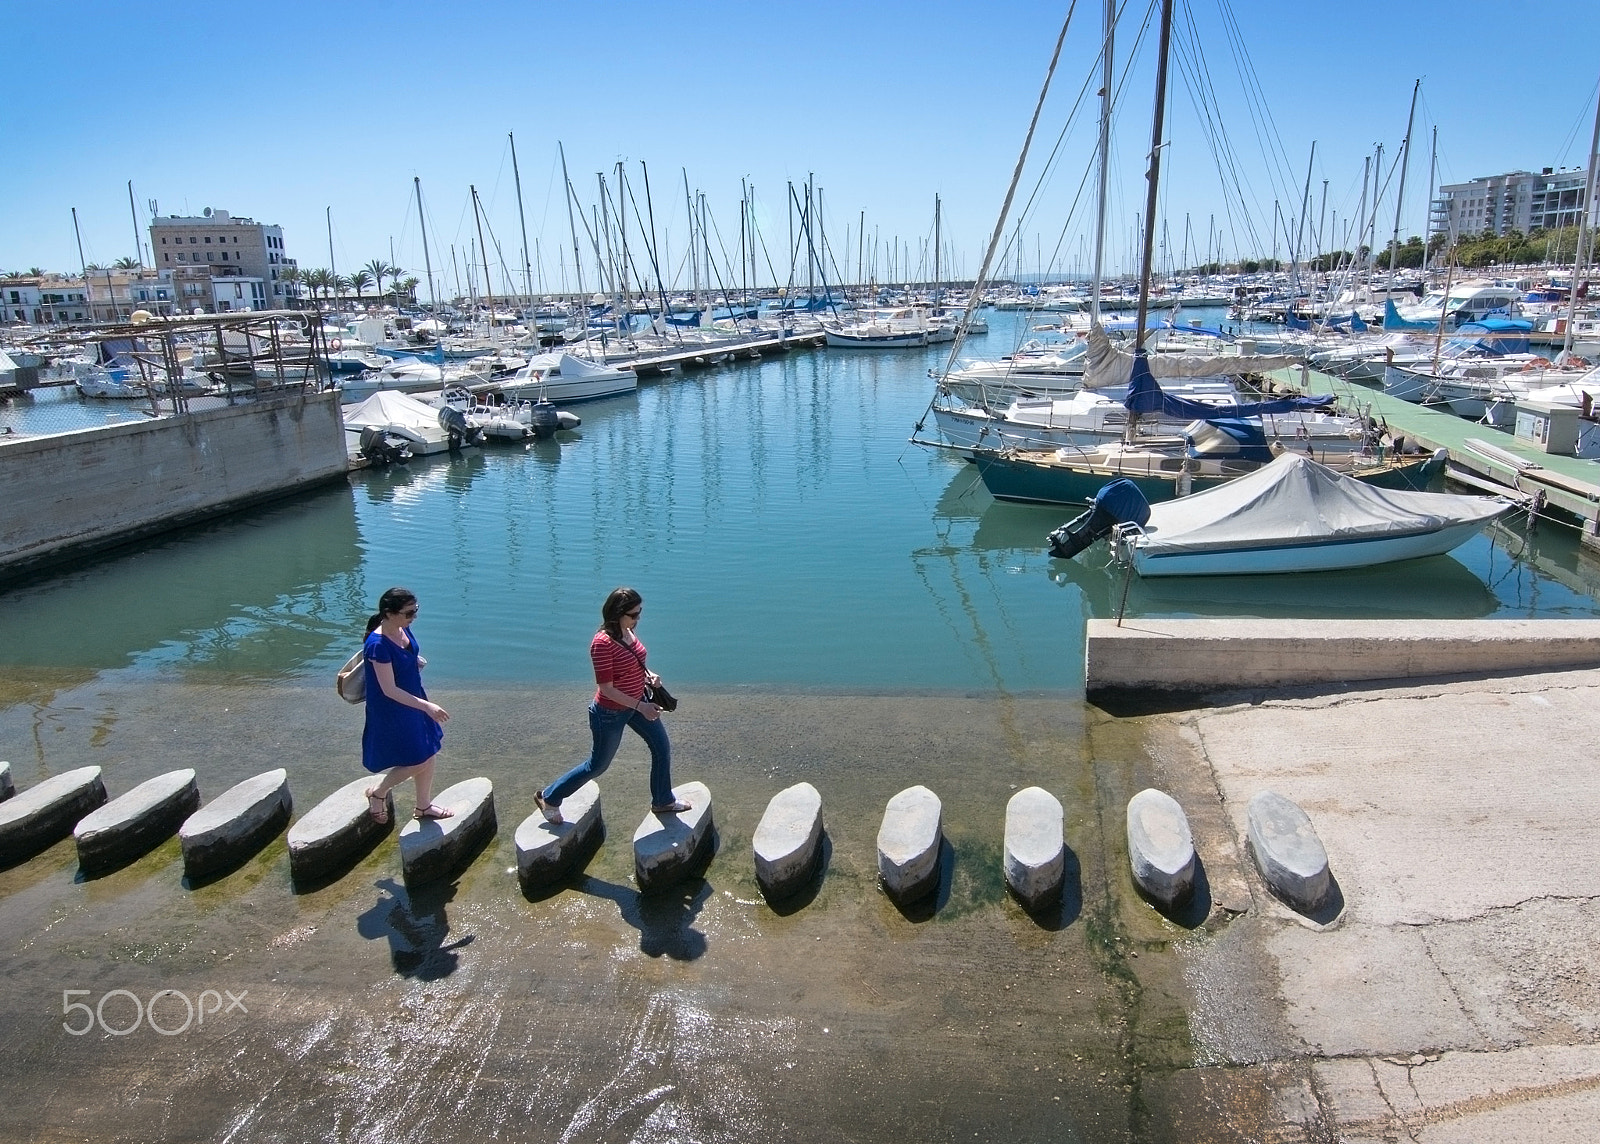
335	133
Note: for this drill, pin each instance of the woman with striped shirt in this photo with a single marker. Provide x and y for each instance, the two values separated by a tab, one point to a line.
620	677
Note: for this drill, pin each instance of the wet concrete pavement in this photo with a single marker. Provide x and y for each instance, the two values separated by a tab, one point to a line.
1446	1000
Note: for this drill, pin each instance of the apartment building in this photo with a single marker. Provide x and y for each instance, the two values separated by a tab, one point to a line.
220	263
1518	200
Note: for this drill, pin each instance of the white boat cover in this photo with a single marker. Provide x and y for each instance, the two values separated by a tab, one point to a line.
1108	366
1296	499
390	407
570	366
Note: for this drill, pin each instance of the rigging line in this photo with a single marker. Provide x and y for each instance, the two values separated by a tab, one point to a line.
1005	207
1278	165
1578	124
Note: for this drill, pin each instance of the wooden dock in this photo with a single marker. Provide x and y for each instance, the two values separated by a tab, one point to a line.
704	356
1569	484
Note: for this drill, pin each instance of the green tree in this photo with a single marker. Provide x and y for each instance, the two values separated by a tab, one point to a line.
379	270
359	281
126	263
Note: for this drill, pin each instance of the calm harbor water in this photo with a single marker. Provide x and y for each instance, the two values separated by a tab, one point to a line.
781	528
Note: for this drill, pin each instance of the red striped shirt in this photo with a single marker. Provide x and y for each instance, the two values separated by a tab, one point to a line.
615	663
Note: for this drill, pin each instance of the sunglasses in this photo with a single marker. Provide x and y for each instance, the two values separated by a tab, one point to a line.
635	613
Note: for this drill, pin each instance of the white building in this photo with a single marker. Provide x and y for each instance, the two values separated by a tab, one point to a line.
1518	200
222	263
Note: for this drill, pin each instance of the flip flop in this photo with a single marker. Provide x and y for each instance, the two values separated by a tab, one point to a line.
377	807
431	811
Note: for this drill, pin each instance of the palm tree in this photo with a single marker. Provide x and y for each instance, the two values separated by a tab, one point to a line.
315	280
379	269
340	284
408	286
35	272
126	264
293	278
359	281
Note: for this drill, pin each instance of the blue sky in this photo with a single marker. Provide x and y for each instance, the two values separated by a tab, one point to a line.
283	112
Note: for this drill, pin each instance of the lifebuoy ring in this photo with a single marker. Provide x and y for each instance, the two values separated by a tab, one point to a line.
336	345
1536	363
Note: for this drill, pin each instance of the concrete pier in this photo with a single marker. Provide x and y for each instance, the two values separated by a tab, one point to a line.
233	826
434	849
788	841
669	847
908	845
133	823
1200	655
336	830
44	814
548	851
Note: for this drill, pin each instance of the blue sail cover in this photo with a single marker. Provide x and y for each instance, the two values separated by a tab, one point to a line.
1293	322
1249	438
1494	336
692	320
1146	396
1393	321
1356	323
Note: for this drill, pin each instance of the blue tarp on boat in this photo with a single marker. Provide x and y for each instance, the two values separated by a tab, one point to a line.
1393	321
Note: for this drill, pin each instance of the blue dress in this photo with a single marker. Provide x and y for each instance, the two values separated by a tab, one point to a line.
396	735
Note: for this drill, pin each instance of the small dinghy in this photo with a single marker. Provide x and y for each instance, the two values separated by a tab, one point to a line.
788	841
667	847
1036	853
1160	847
1287	851
233	826
134	823
44	814
432	849
337	829
547	851
908	845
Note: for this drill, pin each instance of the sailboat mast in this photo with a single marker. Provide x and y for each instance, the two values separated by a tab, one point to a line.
1105	153
1405	161
527	267
333	270
1583	235
1427	227
572	226
427	260
1157	124
488	284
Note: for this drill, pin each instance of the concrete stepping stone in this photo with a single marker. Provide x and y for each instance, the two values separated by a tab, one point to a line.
432	849
667	846
1287	850
336	830
1160	847
1036	850
546	851
136	822
235	824
788	841
908	845
7	787
45	813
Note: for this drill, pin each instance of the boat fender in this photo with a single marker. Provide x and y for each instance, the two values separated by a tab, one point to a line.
336	345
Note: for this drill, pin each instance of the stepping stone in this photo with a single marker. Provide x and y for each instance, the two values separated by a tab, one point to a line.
788	841
336	830
136	822
547	851
1287	850
45	813
1036	852
1160	847
668	846
7	787
908	845
235	824
432	849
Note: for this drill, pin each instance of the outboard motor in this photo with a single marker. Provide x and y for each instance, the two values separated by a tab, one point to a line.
454	422
1116	503
381	448
546	419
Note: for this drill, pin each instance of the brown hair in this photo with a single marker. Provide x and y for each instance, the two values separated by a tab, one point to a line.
621	601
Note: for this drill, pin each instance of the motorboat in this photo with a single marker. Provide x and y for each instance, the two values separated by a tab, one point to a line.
564	378
425	429
503	420
1293	515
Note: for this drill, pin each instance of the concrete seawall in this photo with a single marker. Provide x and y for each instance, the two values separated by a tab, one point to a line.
75	493
1219	654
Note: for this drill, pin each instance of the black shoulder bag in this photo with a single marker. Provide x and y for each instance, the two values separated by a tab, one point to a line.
659	695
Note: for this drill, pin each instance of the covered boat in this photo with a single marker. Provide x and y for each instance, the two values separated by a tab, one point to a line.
1293	515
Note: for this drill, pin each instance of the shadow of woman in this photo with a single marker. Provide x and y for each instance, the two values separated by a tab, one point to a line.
664	918
415	925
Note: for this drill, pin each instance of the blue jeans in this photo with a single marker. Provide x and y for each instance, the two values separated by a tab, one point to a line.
606	726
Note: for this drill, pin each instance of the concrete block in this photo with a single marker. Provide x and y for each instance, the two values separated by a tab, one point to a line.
547	851
1035	847
236	824
908	845
666	847
337	829
7	787
432	849
44	814
1219	654
1287	850
788	841
1160	847
136	822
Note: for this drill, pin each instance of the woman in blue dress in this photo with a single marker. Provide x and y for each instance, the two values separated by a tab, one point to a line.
403	732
